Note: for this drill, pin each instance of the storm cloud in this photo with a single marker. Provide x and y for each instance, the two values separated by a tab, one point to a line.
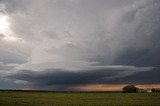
56	79
63	43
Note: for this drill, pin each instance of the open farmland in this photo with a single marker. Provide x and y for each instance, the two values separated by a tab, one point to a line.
31	98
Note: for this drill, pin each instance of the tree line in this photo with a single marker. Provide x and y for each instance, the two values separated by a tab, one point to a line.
132	89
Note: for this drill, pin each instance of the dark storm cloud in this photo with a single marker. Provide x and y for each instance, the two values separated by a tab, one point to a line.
141	38
62	79
145	46
149	77
146	57
59	77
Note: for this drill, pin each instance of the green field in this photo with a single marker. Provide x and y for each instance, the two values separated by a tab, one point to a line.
20	98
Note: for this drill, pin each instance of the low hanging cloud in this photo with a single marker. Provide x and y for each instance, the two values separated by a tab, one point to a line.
66	43
56	79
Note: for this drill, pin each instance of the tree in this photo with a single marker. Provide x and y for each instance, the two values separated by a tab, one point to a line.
129	89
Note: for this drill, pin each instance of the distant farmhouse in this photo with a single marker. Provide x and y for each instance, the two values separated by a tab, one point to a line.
144	90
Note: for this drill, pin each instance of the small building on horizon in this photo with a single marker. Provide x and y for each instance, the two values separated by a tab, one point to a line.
149	90
144	90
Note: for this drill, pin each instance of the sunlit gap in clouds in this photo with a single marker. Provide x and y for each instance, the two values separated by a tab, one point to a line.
6	31
4	24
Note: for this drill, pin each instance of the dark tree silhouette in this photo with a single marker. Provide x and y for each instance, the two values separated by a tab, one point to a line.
129	89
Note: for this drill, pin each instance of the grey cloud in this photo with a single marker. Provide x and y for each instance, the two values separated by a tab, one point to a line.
1	36
143	47
9	84
56	78
87	42
148	77
11	57
15	6
6	67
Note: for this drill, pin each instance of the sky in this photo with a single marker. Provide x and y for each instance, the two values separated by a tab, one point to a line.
79	44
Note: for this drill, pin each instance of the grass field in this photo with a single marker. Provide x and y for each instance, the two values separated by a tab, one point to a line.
19	98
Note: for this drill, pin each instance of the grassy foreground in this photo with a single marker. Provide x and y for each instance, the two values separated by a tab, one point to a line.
19	98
